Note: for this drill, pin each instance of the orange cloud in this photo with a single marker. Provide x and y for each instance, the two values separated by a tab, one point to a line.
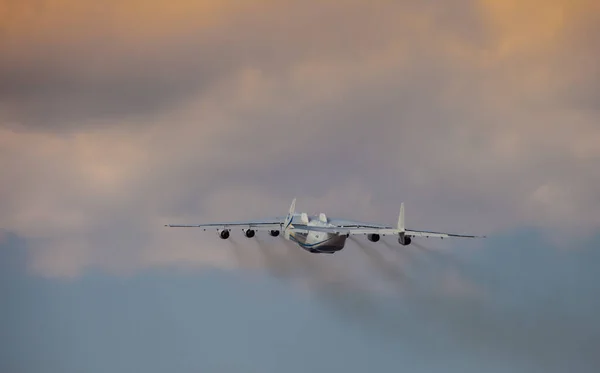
117	117
527	26
45	21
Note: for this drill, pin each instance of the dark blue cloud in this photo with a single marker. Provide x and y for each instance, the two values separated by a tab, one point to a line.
539	314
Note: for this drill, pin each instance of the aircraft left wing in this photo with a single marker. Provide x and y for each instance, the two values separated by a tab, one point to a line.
427	234
380	231
258	225
355	228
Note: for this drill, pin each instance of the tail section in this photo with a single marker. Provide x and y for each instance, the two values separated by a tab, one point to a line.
402	238
401	226
288	220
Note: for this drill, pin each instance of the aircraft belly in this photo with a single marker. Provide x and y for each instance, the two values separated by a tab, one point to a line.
319	243
299	238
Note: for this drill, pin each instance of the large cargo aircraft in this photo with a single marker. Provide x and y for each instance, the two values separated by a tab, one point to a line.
320	234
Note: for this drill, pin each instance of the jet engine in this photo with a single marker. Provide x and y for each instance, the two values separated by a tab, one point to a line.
404	240
373	237
274	233
224	234
249	233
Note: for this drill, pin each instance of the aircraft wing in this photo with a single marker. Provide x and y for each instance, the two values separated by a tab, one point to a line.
355	228
258	225
344	230
358	230
428	234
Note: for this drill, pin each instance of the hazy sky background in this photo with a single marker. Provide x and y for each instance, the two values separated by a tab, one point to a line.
118	117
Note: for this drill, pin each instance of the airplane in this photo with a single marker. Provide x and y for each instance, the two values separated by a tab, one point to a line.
318	234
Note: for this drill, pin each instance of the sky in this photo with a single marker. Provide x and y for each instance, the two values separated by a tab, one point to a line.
115	119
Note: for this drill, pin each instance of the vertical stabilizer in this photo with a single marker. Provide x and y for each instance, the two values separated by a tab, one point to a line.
288	220
401	226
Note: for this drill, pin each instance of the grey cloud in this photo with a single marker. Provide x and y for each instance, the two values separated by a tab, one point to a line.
13	256
101	77
58	95
538	313
534	314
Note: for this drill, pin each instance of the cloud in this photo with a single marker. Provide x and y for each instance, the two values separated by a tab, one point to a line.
78	64
479	115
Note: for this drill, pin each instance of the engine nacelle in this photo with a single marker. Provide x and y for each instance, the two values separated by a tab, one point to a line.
224	234
374	237
274	233
404	240
249	233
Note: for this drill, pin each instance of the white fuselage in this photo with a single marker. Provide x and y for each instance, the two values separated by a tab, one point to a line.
316	241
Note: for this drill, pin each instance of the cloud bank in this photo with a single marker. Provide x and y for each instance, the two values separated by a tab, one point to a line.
115	119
